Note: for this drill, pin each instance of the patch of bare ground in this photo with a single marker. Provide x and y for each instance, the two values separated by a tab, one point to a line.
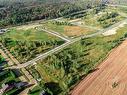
76	31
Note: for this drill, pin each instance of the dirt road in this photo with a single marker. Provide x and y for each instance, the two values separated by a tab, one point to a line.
110	78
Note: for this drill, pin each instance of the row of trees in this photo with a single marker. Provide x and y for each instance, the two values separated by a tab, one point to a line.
61	23
84	13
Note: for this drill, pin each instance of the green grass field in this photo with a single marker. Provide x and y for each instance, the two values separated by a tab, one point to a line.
29	35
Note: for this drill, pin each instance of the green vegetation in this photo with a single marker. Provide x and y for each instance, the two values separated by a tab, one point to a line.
19	15
28	35
1	59
9	77
26	44
66	28
103	19
6	76
61	71
84	13
13	13
109	19
58	73
99	17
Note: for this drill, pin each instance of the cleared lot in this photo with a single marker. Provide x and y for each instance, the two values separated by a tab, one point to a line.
68	30
110	78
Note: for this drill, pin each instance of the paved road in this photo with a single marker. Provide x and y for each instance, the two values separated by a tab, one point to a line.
55	34
61	47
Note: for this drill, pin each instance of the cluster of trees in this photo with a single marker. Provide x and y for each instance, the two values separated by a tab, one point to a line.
108	16
1	59
61	23
26	50
84	13
76	15
18	13
108	19
9	77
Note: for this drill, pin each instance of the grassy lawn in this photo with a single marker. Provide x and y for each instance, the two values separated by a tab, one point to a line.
69	66
29	35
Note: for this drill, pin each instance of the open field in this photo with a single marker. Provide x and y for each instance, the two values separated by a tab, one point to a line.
31	34
69	30
112	70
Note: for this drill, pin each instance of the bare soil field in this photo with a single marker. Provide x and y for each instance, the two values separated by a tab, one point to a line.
109	78
76	31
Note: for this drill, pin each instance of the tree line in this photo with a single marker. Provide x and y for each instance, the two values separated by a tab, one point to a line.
19	13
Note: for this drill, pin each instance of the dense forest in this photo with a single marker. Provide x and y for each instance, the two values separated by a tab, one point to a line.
14	13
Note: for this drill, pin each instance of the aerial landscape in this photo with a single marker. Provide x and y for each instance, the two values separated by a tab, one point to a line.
63	47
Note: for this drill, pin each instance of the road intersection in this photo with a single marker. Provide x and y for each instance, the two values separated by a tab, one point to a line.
67	43
61	47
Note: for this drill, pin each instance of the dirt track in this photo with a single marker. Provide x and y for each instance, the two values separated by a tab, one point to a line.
112	70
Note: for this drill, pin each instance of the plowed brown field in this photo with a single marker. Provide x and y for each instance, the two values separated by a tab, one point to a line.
113	71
